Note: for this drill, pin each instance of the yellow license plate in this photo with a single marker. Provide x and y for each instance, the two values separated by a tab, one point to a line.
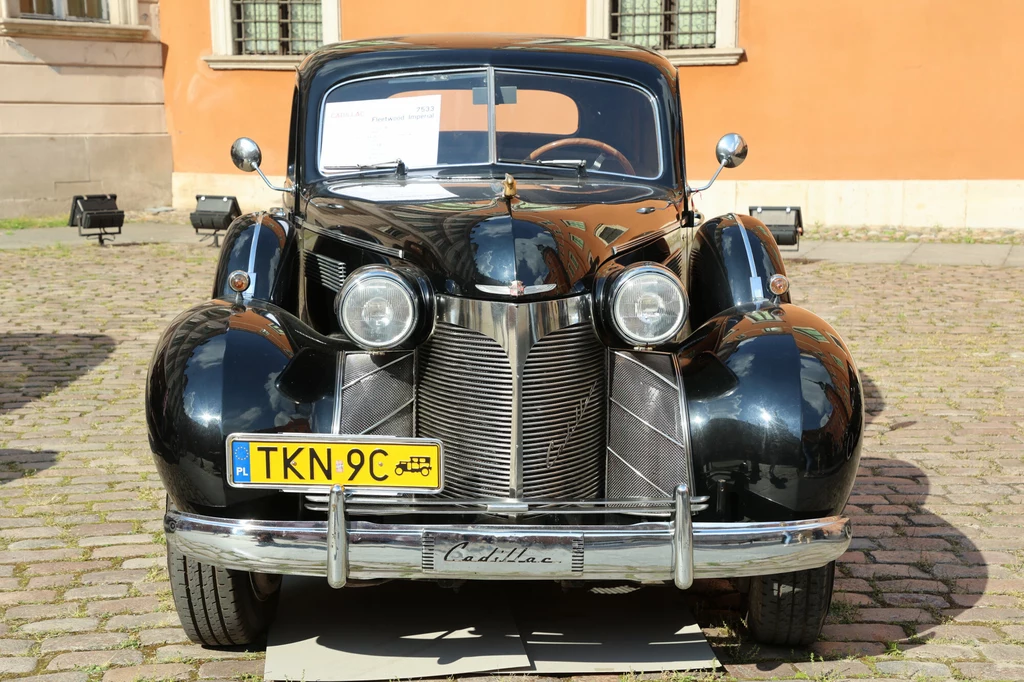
304	461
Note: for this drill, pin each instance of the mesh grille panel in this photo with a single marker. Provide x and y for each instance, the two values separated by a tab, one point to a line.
646	455
563	415
378	392
465	399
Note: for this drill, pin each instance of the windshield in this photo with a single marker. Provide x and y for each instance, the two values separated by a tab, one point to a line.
478	117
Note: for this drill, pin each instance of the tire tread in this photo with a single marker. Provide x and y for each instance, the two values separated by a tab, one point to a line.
789	609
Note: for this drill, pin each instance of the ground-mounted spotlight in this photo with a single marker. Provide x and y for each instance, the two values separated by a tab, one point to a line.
212	216
785	222
96	216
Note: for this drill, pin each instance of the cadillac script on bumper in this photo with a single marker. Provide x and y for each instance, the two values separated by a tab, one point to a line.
540	555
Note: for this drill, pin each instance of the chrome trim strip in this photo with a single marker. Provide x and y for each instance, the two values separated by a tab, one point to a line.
355	241
646	423
337	540
492	118
251	289
756	290
644	238
644	367
637	472
387	416
401	356
339	385
640	552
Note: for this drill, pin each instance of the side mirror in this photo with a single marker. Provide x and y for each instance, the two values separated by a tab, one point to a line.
731	150
247	157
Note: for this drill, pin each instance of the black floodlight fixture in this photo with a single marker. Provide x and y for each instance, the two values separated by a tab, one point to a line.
785	223
213	214
96	216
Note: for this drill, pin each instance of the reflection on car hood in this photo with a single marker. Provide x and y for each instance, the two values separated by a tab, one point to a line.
548	241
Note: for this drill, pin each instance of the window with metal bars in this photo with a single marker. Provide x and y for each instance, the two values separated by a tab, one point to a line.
281	27
72	10
664	24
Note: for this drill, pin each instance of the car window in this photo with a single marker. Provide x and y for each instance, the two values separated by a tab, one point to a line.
444	119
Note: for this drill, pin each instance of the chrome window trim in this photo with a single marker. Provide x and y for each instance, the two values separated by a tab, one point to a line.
354	241
490	73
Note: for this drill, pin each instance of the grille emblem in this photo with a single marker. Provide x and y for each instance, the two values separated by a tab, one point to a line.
581	409
516	288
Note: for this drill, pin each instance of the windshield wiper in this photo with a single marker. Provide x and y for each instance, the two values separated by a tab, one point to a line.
580	166
400	168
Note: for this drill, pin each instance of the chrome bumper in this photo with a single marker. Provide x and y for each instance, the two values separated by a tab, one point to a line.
677	550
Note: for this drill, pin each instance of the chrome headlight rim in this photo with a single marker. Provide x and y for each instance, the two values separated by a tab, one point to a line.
362	275
646	269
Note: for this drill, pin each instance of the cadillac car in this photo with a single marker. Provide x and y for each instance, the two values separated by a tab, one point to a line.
487	336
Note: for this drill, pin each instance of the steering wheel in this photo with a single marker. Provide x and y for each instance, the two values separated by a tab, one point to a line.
586	142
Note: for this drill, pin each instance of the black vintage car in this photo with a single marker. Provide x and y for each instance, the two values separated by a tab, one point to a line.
488	339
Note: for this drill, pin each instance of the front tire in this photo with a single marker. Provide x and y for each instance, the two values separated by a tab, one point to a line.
218	606
789	609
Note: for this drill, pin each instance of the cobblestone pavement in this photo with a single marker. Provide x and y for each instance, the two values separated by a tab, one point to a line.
932	587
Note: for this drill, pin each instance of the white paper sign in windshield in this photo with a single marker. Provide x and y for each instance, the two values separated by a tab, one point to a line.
379	131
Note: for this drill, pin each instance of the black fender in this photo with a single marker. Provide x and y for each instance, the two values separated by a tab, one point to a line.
220	369
264	246
776	414
731	263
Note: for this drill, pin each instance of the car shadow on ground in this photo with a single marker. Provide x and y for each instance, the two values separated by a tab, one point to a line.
32	366
895	587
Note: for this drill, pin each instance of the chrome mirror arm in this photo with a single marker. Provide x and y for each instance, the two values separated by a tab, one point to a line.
691	190
289	190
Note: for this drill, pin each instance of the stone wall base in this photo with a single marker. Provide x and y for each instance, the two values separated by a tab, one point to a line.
40	173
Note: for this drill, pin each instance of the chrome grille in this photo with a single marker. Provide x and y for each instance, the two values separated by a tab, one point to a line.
325	271
564	415
465	399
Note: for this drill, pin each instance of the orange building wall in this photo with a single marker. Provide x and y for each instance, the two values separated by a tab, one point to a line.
844	89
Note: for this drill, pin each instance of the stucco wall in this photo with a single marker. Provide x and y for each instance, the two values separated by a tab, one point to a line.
82	116
870	111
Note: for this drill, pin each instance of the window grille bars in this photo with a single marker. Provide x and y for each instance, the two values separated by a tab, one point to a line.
276	27
665	24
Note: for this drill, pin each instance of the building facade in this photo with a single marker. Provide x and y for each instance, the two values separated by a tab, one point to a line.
81	105
863	112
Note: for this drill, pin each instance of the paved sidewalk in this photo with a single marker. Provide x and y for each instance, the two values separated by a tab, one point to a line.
911	253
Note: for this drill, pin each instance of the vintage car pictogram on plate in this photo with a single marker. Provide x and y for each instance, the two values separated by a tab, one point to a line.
489	337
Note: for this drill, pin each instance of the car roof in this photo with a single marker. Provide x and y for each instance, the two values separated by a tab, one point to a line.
482	48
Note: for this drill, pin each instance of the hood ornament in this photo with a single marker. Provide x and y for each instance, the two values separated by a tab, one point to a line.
508	187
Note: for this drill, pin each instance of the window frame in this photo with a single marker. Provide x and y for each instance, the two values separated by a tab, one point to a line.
121	23
222	34
725	52
60	13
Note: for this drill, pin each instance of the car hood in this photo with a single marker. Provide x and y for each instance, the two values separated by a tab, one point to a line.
546	242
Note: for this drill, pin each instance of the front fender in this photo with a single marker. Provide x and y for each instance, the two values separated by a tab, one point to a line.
776	413
731	263
264	246
220	369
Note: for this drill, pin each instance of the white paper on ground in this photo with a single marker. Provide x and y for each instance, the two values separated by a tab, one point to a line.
412	630
381	130
643	632
394	631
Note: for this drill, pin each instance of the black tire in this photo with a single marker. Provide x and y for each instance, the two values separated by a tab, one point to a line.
789	609
221	607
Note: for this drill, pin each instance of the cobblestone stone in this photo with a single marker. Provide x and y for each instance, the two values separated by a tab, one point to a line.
936	506
88	659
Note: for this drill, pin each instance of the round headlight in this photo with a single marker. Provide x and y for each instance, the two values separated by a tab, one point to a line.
377	308
648	305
